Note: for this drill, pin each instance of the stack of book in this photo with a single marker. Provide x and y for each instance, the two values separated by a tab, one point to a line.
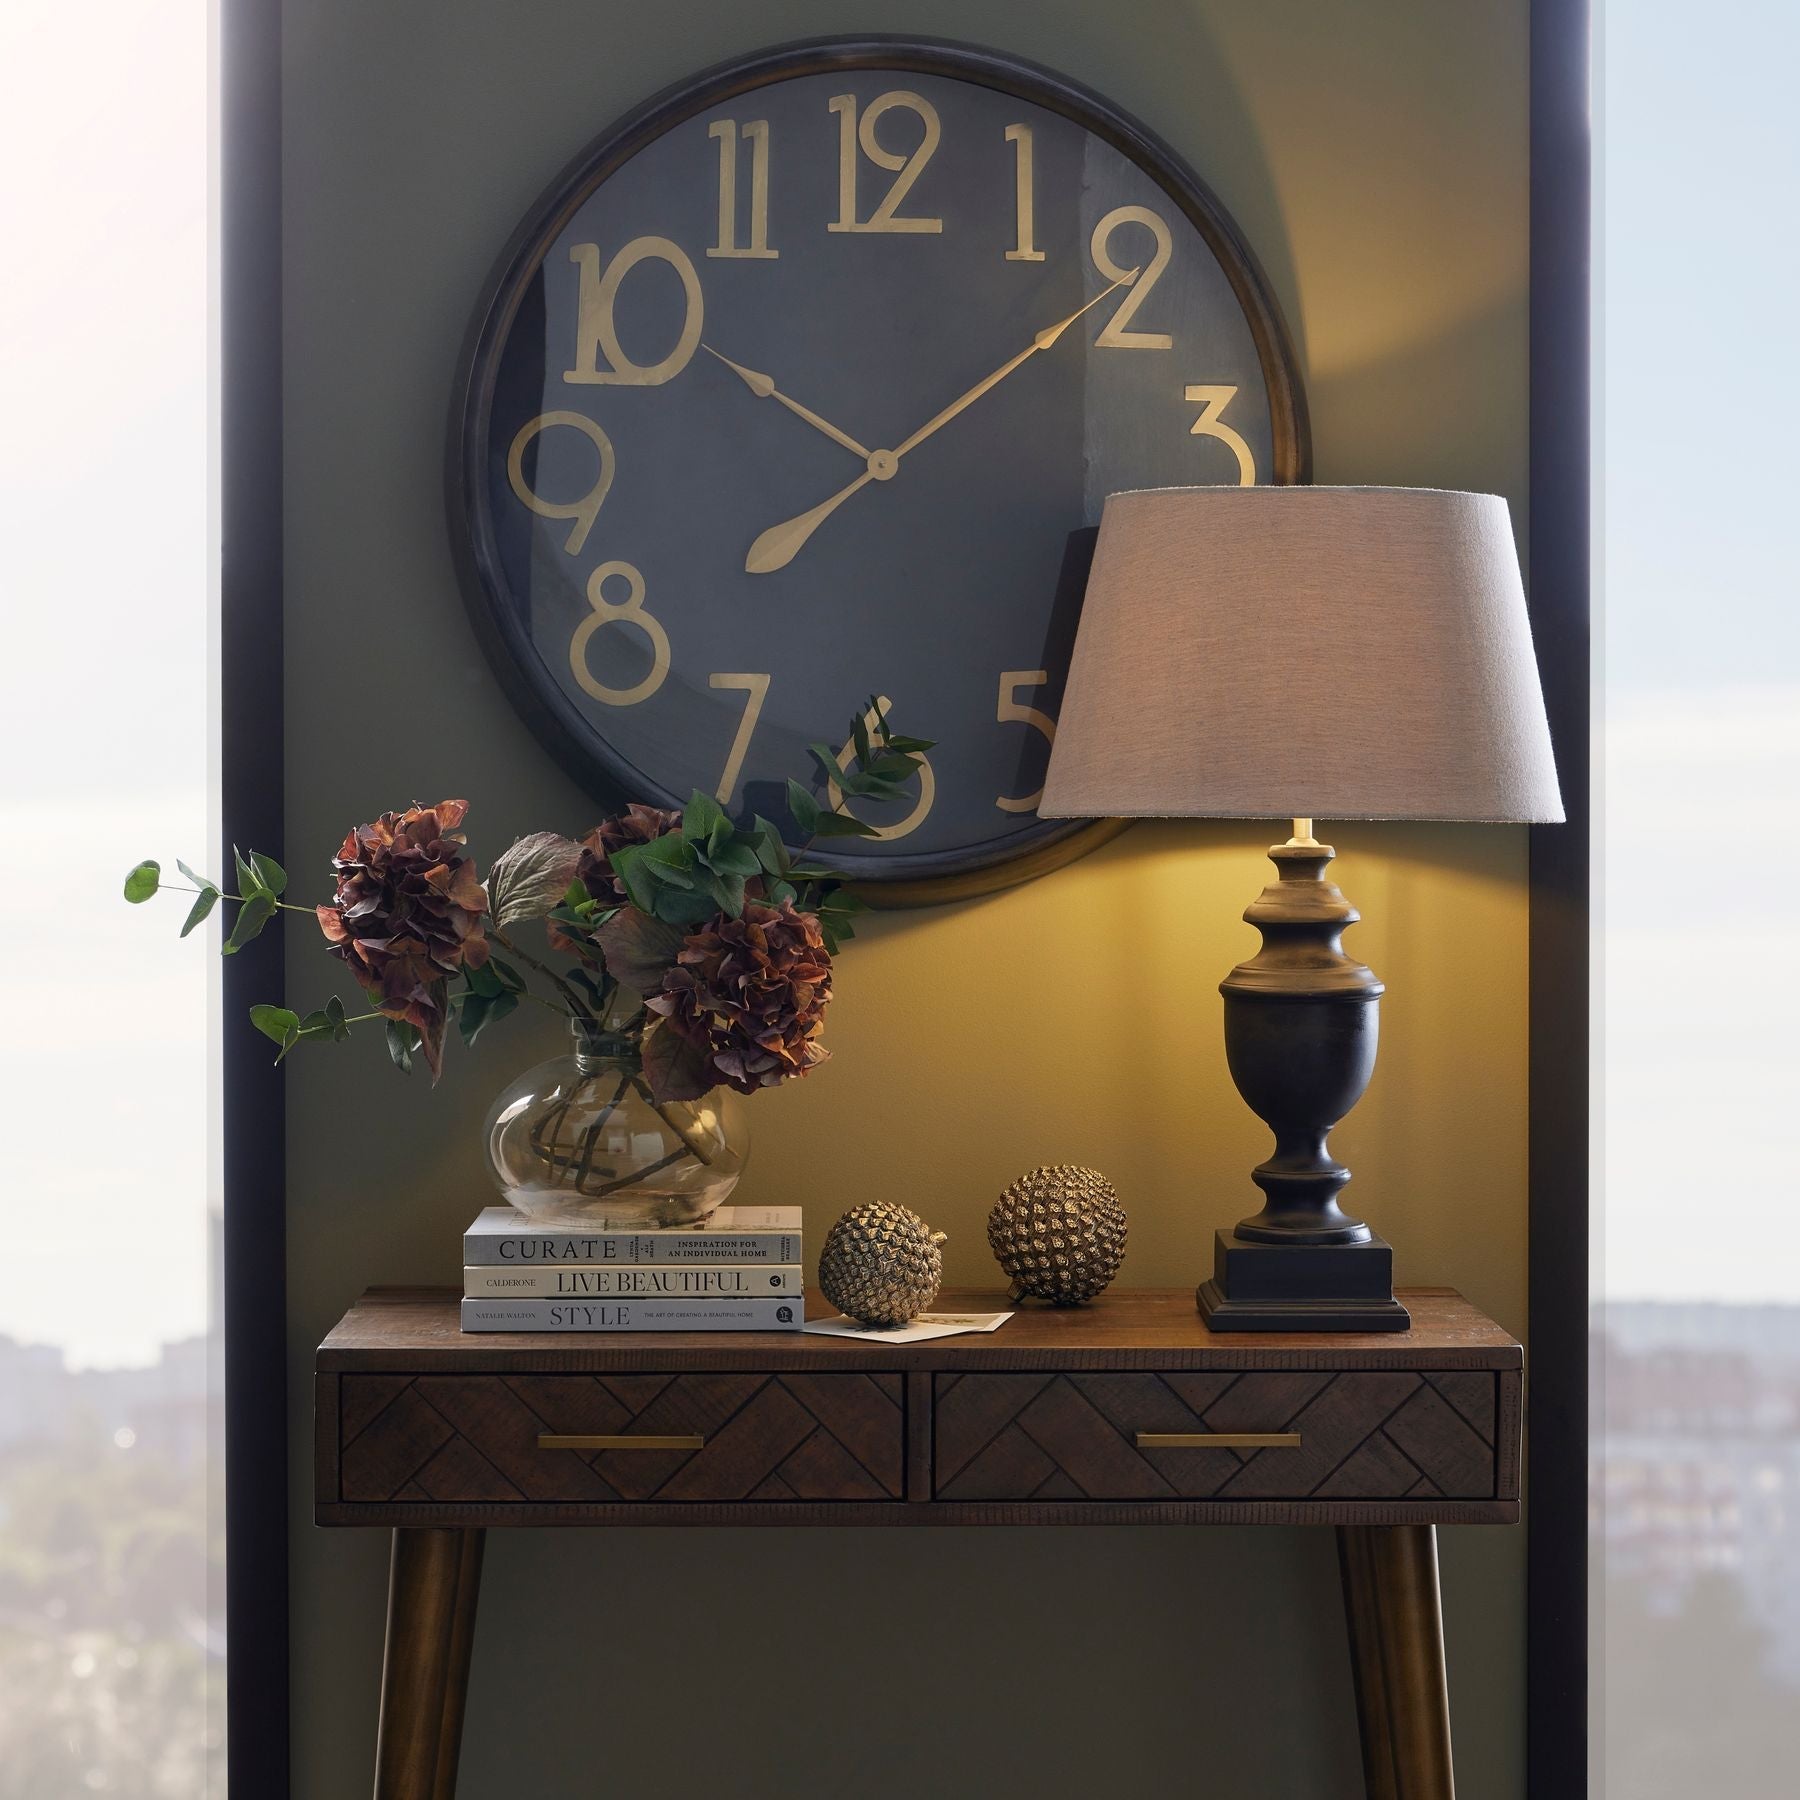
737	1271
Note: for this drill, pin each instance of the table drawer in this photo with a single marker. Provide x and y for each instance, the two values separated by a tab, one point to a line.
1360	1435
513	1438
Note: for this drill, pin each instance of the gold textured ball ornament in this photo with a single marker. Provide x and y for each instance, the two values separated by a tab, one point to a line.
881	1264
1059	1233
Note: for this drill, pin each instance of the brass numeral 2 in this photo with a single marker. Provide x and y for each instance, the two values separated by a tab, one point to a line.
1115	336
906	169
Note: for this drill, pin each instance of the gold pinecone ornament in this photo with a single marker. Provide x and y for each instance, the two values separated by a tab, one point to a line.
1059	1233
881	1264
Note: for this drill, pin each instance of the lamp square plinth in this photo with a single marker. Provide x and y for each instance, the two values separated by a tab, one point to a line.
1301	1287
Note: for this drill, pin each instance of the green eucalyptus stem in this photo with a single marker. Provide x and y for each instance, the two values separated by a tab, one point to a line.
175	887
576	1004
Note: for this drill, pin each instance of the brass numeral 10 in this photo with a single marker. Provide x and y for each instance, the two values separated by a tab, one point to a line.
597	337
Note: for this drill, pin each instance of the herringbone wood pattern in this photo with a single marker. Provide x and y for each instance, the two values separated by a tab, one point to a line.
1364	1435
768	1437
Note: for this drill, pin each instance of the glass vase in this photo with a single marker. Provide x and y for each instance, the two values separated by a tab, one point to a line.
580	1140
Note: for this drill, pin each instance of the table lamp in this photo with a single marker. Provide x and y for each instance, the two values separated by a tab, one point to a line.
1302	653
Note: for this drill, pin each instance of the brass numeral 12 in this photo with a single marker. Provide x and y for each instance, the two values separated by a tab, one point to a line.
906	169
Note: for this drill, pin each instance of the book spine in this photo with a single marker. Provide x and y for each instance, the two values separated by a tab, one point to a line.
631	1315
521	1249
571	1281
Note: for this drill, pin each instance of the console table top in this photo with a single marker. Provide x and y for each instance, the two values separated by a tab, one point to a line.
416	1329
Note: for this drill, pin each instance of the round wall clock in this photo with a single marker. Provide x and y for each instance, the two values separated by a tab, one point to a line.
798	395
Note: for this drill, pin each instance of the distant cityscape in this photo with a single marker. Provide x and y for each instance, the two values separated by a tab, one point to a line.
111	1576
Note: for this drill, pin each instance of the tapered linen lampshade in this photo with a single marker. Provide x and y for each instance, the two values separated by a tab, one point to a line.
1273	652
1304	653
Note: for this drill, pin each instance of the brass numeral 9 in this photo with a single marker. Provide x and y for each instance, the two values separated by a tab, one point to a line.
582	511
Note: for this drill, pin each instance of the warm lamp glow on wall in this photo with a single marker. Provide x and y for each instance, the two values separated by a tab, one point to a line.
1304	653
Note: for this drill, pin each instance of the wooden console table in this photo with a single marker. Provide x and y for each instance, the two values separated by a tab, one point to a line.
1127	1411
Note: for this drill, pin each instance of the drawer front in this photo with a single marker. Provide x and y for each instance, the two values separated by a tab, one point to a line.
1361	1435
513	1438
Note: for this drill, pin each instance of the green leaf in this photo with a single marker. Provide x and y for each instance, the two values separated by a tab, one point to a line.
771	852
688	909
639	951
484	981
700	816
250	884
471	1016
628	864
497	1008
727	891
276	1023
141	883
269	872
806	810
199	881
207	899
843	825
910	746
530	878
334	1012
402	1040
859	736
736	858
779	890
253	915
829	767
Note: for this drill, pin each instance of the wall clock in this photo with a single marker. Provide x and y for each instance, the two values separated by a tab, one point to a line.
803	387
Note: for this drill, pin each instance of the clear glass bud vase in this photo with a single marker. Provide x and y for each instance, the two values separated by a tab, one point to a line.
580	1140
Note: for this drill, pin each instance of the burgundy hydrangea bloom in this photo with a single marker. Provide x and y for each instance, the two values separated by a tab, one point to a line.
747	997
407	915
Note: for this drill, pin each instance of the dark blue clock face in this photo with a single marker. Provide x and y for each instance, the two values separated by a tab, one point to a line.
812	392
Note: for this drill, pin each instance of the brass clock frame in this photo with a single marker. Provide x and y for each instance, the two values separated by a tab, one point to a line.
473	393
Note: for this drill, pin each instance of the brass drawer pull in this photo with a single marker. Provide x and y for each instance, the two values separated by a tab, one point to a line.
550	1440
1218	1440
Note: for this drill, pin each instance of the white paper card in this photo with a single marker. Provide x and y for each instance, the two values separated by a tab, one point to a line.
924	1325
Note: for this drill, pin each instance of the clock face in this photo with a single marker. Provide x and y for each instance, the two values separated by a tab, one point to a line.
804	389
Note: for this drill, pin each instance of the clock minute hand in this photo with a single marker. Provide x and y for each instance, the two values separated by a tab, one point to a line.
1042	341
765	389
780	544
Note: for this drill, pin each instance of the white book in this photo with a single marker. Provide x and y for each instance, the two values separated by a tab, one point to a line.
632	1315
734	1234
605	1281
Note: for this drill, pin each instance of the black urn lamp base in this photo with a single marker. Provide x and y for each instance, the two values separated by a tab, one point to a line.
1301	1287
1300	1033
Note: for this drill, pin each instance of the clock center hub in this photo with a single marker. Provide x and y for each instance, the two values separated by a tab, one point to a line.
882	464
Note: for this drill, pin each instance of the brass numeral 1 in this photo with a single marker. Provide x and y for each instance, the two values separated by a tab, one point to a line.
927	781
756	133
756	691
905	169
1023	250
1115	336
1009	710
1210	424
596	336
582	511
629	611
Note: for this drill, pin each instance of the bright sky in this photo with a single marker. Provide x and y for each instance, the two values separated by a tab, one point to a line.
104	704
1699	381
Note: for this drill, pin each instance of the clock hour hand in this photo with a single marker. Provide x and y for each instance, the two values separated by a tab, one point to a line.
765	389
780	544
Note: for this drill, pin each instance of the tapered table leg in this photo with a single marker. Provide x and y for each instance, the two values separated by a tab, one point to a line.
432	1592
1397	1659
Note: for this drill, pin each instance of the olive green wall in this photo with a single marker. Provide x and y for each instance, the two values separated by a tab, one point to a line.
1375	155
